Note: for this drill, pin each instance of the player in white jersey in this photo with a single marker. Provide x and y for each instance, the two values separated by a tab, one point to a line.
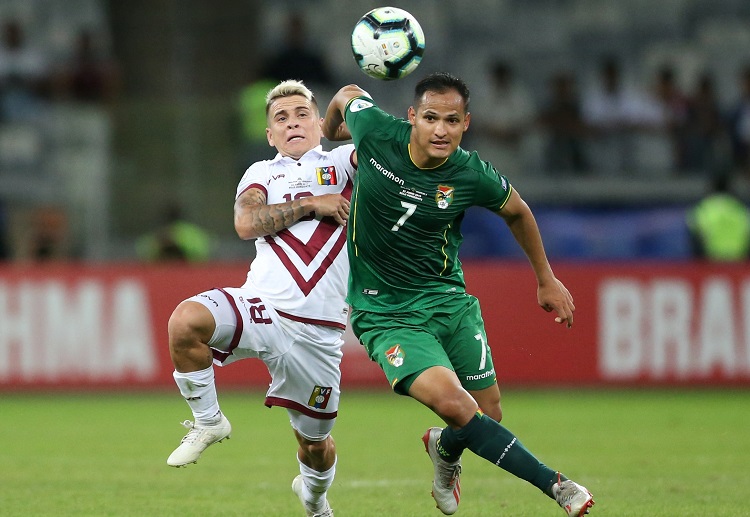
291	312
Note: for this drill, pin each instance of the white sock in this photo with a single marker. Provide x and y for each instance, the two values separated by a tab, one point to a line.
316	484
199	391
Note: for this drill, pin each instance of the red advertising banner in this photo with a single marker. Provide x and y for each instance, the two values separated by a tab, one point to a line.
73	326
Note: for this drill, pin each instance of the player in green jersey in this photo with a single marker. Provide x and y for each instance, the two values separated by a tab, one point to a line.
410	308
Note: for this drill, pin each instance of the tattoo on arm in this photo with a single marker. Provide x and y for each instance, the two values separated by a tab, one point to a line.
274	218
257	219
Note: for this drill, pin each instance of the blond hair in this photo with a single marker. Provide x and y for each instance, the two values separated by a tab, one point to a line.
287	89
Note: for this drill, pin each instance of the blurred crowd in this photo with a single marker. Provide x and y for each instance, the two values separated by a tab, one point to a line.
604	129
31	82
614	127
662	127
29	78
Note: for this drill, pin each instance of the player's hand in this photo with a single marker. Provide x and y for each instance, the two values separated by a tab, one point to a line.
556	297
332	205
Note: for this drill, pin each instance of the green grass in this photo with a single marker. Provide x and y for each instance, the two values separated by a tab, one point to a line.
642	452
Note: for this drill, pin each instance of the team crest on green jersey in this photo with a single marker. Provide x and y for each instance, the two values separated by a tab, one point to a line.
395	355
444	196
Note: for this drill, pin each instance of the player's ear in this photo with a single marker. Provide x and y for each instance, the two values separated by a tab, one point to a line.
467	120
411	115
269	137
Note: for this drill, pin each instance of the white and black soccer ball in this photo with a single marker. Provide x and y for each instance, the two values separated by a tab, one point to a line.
388	43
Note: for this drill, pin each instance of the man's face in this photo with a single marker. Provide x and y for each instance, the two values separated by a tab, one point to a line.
293	126
438	124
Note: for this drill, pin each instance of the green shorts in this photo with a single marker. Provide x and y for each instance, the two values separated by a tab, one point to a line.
406	344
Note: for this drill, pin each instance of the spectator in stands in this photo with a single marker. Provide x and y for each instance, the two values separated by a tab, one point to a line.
720	225
565	130
615	114
298	58
90	76
176	240
739	123
504	120
4	248
705	134
674	108
24	76
44	235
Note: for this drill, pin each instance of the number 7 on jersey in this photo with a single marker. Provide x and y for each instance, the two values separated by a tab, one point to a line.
410	209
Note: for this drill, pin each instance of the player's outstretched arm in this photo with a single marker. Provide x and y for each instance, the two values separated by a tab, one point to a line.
552	295
253	218
334	128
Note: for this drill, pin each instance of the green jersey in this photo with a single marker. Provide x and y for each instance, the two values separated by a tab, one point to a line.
405	222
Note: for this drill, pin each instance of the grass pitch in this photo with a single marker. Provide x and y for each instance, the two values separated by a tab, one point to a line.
642	452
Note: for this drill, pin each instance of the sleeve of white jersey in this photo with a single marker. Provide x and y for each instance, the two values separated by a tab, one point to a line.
343	155
256	174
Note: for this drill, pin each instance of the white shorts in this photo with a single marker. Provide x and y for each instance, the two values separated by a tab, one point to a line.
303	359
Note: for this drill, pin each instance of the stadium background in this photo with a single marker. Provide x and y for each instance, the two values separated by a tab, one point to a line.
647	312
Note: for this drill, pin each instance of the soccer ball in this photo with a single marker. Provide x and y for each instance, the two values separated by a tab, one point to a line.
388	43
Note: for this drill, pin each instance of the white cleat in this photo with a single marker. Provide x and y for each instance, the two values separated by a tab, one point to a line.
298	488
575	499
197	440
446	485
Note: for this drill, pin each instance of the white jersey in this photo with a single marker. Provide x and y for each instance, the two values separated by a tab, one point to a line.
302	270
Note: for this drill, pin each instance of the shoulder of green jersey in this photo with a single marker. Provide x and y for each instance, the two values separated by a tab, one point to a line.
359	105
504	183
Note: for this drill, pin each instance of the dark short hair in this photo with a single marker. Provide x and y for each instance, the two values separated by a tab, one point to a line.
441	82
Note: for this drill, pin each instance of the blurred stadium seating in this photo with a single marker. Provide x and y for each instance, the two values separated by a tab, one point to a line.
169	134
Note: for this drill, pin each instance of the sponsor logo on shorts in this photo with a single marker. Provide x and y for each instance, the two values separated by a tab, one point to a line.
320	396
395	355
209	299
370	292
483	375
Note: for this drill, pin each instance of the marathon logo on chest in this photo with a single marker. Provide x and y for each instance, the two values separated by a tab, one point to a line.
320	396
326	175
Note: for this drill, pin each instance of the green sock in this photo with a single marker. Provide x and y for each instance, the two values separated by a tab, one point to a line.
493	442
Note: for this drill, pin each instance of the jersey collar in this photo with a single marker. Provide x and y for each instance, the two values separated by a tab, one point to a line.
315	151
408	147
